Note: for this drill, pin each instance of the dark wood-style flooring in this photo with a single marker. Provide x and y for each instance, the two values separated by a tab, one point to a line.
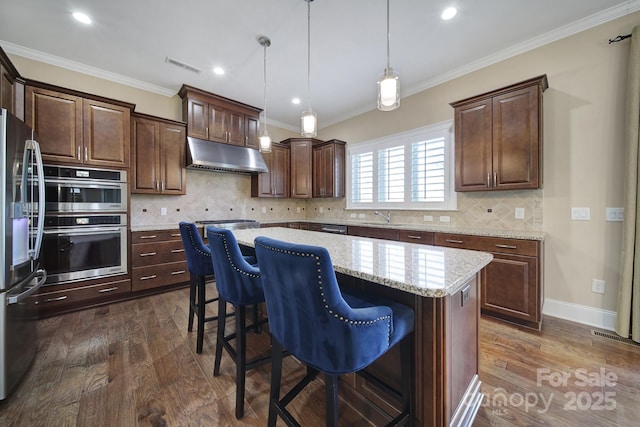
134	364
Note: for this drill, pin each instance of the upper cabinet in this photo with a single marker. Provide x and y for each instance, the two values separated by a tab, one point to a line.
11	87
219	119
301	166
78	128
158	159
276	182
498	138
328	169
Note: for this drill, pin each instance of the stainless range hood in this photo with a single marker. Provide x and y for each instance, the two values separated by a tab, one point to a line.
218	157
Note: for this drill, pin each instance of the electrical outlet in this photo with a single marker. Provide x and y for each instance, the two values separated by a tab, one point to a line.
352	215
163	211
428	217
361	216
445	218
598	286
298	209
264	209
519	214
615	214
321	210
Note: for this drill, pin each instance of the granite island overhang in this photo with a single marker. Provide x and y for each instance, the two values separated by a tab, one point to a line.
442	285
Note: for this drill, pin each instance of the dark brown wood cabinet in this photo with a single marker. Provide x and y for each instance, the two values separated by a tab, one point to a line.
215	118
498	138
11	87
373	232
329	169
512	283
77	128
301	166
158	161
275	183
157	259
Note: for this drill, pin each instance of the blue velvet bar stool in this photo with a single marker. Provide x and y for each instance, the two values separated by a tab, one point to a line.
239	284
331	331
200	270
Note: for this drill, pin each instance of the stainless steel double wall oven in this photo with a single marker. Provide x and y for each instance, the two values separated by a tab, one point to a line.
85	227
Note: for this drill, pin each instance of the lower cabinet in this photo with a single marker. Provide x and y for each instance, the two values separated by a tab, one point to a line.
512	283
70	296
157	259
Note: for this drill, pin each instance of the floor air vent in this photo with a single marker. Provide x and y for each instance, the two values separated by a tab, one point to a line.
613	336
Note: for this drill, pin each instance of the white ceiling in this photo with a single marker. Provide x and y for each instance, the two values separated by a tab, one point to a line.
130	39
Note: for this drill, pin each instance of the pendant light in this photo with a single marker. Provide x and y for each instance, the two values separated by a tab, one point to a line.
309	119
264	138
389	81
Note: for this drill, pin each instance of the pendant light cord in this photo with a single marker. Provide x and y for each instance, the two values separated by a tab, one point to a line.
264	128
309	53
388	36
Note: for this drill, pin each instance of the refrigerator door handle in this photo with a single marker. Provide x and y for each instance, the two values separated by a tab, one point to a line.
42	277
32	144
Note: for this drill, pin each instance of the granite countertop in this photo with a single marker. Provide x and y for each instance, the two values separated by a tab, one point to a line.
429	271
487	232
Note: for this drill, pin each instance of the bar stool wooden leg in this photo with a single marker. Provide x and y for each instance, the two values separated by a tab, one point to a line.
276	380
192	301
222	317
201	313
331	394
241	362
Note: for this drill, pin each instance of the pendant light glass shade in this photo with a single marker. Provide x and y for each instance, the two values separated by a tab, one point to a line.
389	81
264	138
309	119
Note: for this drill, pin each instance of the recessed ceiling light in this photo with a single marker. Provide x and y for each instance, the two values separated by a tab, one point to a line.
295	101
218	70
449	13
82	17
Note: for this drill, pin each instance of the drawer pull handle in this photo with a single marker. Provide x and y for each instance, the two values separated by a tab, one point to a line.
175	235
175	273
415	237
115	288
507	246
153	276
148	254
459	242
176	251
62	298
153	236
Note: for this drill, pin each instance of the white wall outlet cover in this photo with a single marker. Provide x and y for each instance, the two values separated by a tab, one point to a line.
519	213
298	209
321	210
428	217
614	214
163	211
581	214
598	286
264	210
352	215
445	218
361	216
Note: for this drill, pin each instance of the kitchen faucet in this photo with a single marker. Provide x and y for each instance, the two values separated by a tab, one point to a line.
387	216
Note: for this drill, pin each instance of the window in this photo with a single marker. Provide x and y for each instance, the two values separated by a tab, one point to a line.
409	170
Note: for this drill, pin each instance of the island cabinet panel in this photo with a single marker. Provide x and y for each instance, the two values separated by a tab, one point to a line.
158	156
216	118
446	361
498	138
276	182
157	259
78	128
512	283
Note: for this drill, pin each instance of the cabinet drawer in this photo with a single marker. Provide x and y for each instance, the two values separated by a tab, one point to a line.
156	276
424	237
146	254
155	236
373	232
56	299
487	244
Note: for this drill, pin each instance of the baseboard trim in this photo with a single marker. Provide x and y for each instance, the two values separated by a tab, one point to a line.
597	317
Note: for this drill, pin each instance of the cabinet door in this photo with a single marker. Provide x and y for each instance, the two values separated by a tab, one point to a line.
107	132
57	119
516	139
217	123
301	169
509	287
172	158
280	172
235	128
261	184
6	90
473	150
252	131
197	118
145	156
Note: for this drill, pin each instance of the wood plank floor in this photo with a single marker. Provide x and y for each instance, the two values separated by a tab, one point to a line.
134	364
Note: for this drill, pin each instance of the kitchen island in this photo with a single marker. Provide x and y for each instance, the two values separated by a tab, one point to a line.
442	286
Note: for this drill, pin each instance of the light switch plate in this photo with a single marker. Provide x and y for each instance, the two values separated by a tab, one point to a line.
615	214
581	214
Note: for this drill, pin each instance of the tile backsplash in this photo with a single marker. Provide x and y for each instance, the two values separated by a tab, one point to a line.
212	195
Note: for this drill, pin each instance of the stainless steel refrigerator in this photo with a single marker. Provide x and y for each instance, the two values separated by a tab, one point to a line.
21	227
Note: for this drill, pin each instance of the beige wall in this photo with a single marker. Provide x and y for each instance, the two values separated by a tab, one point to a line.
583	149
583	156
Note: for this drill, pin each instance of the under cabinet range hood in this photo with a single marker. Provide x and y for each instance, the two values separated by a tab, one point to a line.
218	157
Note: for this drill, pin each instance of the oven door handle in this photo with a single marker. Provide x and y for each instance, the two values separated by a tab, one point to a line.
85	231
42	277
87	183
